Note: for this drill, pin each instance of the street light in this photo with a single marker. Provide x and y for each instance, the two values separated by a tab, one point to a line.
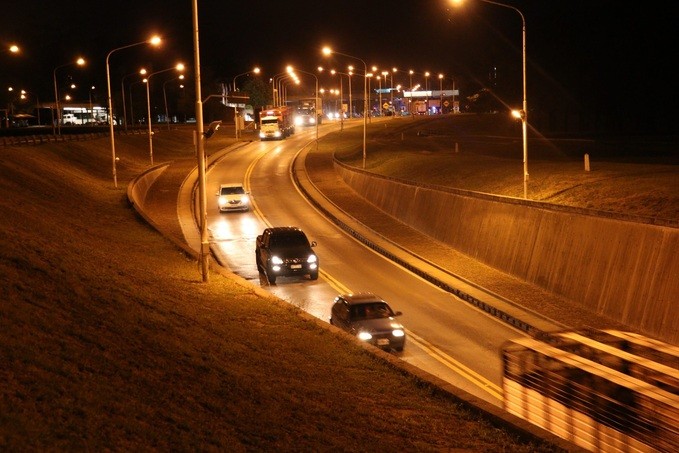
441	94
79	62
122	88
37	101
328	51
523	114
256	70
291	70
178	67
167	115
153	41
333	72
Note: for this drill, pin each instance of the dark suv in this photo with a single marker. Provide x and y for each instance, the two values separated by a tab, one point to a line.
370	318
285	251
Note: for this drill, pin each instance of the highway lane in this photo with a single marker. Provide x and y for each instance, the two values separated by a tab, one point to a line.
447	337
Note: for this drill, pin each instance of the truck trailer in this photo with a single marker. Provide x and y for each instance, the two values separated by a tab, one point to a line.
276	123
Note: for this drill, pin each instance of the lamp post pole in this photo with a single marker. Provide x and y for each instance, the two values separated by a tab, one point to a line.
328	51
179	67
23	94
410	101
78	62
379	81
441	94
315	94
524	112
167	115
122	87
155	40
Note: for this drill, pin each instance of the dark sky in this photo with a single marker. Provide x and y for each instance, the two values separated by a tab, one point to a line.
593	54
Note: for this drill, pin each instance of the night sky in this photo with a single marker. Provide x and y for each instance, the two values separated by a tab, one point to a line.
594	54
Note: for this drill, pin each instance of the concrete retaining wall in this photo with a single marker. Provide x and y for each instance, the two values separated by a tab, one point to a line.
622	267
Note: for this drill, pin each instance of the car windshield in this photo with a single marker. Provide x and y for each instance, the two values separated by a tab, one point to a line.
232	190
291	239
374	310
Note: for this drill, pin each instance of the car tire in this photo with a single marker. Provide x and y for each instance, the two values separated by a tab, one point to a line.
271	277
313	275
399	349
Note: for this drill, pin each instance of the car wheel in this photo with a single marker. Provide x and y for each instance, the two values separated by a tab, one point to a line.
399	349
271	277
313	275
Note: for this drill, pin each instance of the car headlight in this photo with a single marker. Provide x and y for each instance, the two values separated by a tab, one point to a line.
245	200
222	201
312	259
364	336
276	260
398	333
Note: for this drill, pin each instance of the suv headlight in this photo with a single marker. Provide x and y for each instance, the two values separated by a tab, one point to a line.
276	260
312	259
365	336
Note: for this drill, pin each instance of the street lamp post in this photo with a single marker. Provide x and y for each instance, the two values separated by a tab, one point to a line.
37	101
178	67
291	70
523	114
122	87
154	41
441	94
167	115
256	70
379	81
328	51
79	62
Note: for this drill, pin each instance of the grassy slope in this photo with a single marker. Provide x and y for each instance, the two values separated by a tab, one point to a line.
111	341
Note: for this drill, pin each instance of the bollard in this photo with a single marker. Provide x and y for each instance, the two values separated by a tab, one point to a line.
586	162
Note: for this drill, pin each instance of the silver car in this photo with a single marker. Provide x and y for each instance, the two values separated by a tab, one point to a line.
233	197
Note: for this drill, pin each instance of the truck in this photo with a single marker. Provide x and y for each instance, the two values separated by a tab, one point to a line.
285	251
276	123
309	113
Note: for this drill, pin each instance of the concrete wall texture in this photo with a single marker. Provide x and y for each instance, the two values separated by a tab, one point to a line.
624	268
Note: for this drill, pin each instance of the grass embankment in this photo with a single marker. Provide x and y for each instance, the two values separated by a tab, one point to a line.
110	341
636	176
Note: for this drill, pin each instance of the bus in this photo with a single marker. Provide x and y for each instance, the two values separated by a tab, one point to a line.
601	390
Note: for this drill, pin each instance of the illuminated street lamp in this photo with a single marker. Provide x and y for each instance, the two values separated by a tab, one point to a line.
291	70
328	51
167	115
256	70
37	101
441	94
153	41
178	67
79	62
523	114
333	72
122	88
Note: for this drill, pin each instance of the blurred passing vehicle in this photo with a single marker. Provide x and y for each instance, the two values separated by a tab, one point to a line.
370	318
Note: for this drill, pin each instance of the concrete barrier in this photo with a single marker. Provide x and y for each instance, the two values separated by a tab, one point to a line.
623	267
